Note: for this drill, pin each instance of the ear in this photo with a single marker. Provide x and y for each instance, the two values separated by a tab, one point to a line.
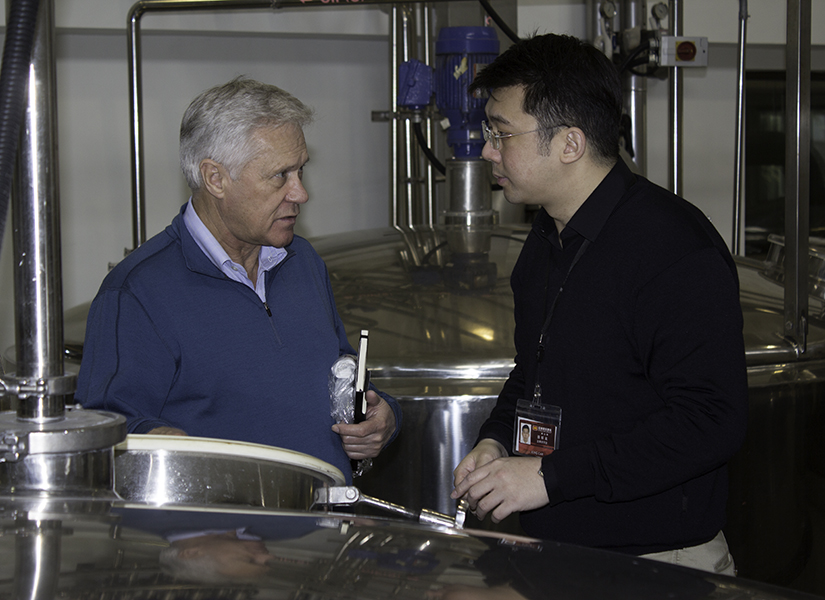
575	145
214	177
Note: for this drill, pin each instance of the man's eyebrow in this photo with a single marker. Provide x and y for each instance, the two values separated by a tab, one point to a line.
293	167
498	119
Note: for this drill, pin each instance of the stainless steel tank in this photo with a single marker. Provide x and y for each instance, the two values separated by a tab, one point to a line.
163	470
441	328
120	552
441	342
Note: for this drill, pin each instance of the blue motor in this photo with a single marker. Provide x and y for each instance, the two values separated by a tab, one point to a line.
468	218
460	53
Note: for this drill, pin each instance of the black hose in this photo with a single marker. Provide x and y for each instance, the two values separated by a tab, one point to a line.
14	79
643	47
499	21
419	135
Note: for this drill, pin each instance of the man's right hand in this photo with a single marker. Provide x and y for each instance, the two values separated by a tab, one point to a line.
486	451
167	431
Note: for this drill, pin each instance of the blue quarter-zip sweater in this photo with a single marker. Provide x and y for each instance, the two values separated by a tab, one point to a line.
171	341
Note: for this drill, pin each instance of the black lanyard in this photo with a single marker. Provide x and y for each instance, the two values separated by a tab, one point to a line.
546	326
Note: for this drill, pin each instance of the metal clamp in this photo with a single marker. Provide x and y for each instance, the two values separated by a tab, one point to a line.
23	387
13	446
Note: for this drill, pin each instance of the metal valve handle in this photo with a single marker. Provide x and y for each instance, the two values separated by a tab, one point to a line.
349	495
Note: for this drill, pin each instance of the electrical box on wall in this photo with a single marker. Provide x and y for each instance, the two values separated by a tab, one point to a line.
678	51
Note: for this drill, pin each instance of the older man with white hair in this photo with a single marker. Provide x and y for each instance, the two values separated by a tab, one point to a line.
224	325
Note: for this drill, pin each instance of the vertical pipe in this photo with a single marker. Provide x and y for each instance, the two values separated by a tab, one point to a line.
635	91
395	199
21	22
430	216
740	129
675	96
591	21
411	163
797	169
36	237
136	132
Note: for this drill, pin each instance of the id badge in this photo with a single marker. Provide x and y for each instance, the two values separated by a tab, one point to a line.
536	429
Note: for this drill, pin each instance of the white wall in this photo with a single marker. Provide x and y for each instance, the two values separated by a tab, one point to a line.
335	59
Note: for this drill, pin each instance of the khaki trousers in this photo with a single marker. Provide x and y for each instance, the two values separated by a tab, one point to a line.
712	556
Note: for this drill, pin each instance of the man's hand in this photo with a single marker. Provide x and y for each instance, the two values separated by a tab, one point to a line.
486	450
503	486
166	431
365	440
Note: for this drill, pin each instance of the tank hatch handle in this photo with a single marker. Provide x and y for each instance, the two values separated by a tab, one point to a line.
345	495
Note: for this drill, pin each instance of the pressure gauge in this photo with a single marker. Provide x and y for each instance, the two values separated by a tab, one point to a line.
608	9
659	10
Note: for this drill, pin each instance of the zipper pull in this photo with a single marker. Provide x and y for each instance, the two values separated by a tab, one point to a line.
266	306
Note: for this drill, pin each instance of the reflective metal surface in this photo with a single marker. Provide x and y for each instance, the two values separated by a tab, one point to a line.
36	230
71	456
431	311
66	474
170	470
441	331
45	449
122	552
775	270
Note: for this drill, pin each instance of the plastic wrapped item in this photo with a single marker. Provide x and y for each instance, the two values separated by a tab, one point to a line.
342	400
342	388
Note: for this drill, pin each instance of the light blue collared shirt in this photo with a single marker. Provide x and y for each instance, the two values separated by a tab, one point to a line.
268	256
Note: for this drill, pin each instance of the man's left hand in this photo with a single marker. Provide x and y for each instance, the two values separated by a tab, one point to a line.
366	439
504	486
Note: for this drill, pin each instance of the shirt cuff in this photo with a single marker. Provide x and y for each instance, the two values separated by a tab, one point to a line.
551	482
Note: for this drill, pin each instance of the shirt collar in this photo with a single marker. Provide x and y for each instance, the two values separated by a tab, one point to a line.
591	216
268	257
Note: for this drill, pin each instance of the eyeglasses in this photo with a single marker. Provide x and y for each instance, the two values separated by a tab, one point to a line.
495	138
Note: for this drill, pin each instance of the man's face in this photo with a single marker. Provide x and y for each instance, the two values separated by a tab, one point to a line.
260	207
229	556
526	177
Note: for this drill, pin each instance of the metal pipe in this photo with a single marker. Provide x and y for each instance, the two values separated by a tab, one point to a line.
142	7
635	92
395	212
675	97
797	169
738	197
410	167
36	219
21	22
591	22
431	214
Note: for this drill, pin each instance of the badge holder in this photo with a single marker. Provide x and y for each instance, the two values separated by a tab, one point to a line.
537	428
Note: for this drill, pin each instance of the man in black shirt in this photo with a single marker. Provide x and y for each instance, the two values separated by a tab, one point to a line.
630	363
